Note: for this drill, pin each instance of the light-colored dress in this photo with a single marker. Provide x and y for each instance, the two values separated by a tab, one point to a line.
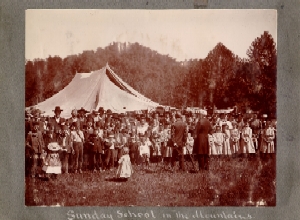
227	150
125	169
247	142
219	141
51	160
188	148
211	143
267	145
234	140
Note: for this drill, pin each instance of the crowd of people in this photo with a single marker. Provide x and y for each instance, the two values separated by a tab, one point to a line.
101	140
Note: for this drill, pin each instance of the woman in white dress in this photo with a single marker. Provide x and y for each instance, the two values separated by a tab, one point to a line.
227	149
268	136
247	143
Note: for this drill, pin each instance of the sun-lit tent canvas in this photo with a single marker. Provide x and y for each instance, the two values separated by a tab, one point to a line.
101	88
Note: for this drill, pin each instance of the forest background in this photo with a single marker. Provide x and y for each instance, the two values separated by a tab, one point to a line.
220	80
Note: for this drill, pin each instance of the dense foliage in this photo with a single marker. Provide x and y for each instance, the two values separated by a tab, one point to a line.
222	79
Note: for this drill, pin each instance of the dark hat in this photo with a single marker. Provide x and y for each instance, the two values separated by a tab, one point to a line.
101	109
82	110
57	109
108	111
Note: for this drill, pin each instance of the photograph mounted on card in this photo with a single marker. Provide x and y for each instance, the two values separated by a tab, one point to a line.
150	108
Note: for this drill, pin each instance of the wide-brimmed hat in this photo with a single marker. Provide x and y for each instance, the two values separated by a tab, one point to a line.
57	109
82	110
101	110
108	111
53	146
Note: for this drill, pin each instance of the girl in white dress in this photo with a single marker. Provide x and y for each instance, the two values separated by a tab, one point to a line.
219	140
125	169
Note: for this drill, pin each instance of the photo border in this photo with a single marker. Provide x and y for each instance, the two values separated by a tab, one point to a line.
12	85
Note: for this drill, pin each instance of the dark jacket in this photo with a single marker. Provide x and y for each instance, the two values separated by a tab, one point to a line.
202	130
96	145
35	142
179	132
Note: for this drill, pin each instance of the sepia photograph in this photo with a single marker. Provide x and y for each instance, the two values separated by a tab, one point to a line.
171	108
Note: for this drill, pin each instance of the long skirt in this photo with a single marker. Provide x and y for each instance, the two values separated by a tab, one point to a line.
52	163
124	170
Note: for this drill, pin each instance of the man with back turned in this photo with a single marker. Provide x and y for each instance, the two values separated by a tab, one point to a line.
201	146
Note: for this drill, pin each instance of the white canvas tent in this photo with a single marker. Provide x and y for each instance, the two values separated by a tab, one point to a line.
102	88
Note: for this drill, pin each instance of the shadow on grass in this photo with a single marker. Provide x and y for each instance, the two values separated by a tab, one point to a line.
115	179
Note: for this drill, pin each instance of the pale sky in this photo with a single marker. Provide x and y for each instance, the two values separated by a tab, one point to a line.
183	34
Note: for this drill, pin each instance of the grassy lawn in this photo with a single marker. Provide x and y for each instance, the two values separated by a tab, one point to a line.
228	182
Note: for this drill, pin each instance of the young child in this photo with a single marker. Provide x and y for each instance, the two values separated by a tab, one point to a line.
234	140
219	140
144	149
125	169
51	162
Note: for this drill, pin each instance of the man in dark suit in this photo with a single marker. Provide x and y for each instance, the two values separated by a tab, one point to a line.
201	145
56	121
179	136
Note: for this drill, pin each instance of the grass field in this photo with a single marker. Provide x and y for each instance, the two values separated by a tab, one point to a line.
228	182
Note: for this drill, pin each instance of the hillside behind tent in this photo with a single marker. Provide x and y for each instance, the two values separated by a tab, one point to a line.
101	88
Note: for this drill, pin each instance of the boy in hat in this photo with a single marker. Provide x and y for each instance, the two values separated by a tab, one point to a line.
77	138
35	144
66	144
96	148
133	150
109	146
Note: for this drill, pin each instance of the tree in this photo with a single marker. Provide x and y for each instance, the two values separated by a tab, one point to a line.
262	54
